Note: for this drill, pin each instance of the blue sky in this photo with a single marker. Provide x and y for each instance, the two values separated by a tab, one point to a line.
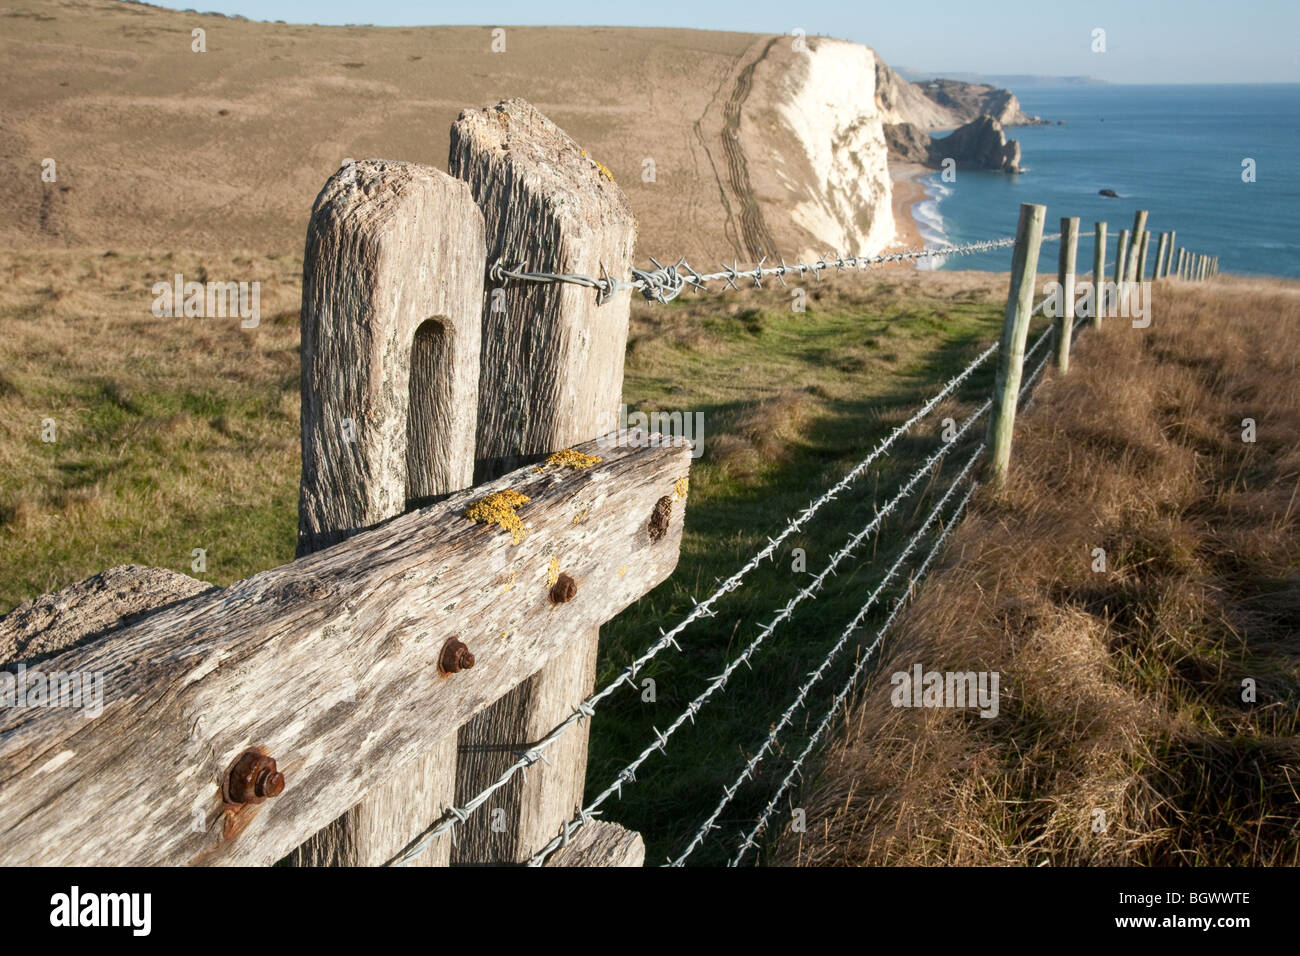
1147	41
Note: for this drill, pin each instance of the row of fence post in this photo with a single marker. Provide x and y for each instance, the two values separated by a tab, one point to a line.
1130	269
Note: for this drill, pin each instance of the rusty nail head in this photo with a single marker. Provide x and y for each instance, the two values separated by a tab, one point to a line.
253	778
455	657
564	589
660	517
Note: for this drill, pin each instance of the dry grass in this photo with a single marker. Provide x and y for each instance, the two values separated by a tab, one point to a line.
1120	691
172	434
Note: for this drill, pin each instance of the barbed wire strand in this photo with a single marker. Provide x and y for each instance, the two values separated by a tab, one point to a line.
628	773
815	676
749	840
664	283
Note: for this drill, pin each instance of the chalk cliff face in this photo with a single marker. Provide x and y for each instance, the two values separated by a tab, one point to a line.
816	145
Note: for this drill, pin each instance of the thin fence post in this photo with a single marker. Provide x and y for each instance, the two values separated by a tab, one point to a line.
1178	266
1064	322
1161	248
1169	254
1135	243
1142	256
1098	274
552	377
392	281
1015	330
1121	260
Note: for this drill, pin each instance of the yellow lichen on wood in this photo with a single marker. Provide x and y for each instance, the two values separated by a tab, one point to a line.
680	487
581	516
622	571
553	571
499	509
568	458
601	167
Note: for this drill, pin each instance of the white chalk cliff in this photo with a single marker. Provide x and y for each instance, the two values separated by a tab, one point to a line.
815	145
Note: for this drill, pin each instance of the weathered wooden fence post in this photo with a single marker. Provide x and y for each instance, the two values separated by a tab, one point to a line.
1161	248
1121	261
1131	272
1178	266
1169	254
1015	329
553	376
1066	259
1142	256
391	312
1098	274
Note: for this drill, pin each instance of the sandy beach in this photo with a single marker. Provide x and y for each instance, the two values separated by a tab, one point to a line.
907	191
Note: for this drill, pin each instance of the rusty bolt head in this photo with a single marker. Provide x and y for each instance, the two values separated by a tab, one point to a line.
659	518
253	778
564	589
455	657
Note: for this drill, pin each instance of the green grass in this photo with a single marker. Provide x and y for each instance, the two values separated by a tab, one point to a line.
791	403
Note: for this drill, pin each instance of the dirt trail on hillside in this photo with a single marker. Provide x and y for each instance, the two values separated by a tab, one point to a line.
755	237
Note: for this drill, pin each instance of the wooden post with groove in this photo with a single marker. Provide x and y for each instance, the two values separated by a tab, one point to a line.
1169	254
392	282
1098	274
552	377
1063	324
1015	329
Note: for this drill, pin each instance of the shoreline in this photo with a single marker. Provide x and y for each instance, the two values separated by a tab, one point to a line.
906	191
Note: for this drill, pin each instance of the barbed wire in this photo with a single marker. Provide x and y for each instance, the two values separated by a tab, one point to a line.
710	823
664	283
749	841
628	773
458	814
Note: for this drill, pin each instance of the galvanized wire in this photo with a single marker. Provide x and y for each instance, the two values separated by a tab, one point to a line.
664	283
458	814
728	793
628	773
749	840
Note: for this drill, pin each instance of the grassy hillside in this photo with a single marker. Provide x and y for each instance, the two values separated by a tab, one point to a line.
1121	691
174	434
158	146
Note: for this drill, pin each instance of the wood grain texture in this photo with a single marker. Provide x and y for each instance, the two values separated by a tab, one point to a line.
392	293
601	844
552	358
552	376
392	288
87	610
1015	330
329	663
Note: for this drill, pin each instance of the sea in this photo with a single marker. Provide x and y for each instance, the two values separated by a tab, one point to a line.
1177	151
